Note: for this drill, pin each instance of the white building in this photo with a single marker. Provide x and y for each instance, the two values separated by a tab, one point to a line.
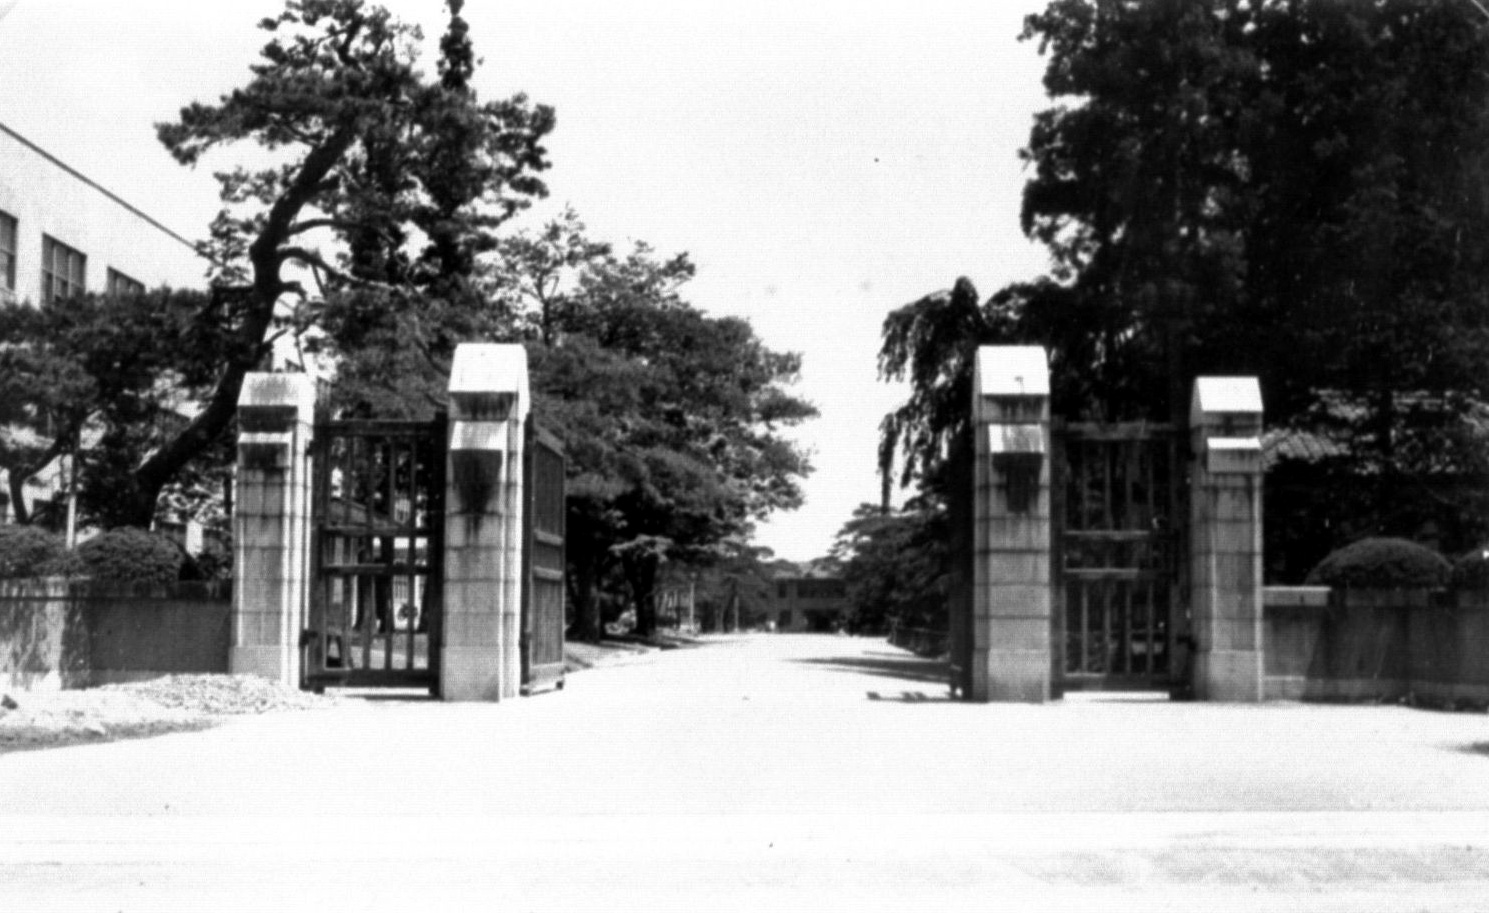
62	233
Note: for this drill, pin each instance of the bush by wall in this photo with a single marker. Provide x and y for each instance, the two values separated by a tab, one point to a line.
129	555
1471	572
29	551
1384	564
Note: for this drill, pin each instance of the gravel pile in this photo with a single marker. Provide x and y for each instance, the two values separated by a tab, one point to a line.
222	695
175	703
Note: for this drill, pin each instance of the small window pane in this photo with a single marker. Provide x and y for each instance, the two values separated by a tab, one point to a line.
63	270
120	284
7	252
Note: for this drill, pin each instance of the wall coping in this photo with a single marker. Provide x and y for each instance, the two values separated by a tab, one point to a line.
1296	596
85	587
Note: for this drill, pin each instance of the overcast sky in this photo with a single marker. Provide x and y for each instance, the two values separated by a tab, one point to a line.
821	165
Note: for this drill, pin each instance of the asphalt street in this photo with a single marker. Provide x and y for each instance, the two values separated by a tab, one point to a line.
760	773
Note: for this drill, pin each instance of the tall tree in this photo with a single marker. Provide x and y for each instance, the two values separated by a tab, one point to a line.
895	564
362	149
1283	188
674	435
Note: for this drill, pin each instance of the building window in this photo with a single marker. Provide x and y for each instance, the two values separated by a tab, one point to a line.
120	284
824	588
62	270
781	590
7	255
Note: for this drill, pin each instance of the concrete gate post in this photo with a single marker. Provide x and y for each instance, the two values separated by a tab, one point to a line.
489	403
1226	539
1011	577
271	525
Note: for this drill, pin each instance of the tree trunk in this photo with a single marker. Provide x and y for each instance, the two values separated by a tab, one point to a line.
583	575
641	574
267	255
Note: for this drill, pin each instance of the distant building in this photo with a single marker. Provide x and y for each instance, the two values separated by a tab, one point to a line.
61	233
809	598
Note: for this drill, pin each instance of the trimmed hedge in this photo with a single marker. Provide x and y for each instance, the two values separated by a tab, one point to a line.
1471	572
1382	564
30	551
129	555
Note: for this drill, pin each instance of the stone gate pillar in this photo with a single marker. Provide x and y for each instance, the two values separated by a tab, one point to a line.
1226	539
271	525
1011	540
489	403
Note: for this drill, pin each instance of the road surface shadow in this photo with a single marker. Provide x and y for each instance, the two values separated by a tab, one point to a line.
890	665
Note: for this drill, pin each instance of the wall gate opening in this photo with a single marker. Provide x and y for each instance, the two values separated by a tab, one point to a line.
377	551
1118	556
543	616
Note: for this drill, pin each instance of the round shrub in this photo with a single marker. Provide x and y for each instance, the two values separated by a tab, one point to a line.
129	555
1382	564
1471	572
29	551
214	562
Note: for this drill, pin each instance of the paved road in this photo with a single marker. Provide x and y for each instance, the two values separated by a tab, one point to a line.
773	772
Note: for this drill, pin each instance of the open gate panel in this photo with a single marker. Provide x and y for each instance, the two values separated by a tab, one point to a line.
543	609
377	550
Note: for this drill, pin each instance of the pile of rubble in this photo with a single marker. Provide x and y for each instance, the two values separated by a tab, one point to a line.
174	703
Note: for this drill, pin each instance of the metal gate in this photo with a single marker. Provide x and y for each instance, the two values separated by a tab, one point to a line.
543	618
1116	554
377	552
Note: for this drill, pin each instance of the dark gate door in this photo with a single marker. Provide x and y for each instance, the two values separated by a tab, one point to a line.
543	619
376	555
1116	555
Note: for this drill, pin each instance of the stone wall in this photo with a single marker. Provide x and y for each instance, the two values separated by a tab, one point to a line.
1377	645
57	633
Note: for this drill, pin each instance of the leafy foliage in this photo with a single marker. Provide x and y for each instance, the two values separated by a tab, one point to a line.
132	556
109	378
670	418
1471	570
895	565
1384	563
1281	188
671	422
365	155
28	551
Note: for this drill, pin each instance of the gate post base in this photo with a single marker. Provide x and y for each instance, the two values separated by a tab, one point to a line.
471	674
1229	675
1011	676
273	663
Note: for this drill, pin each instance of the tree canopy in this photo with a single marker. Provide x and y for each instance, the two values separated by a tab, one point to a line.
369	158
375	190
895	565
672	418
1286	188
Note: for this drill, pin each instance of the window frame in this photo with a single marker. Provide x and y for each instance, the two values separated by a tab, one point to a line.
114	279
8	263
71	285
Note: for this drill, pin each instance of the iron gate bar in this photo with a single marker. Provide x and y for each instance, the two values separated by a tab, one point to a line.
377	553
1116	509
